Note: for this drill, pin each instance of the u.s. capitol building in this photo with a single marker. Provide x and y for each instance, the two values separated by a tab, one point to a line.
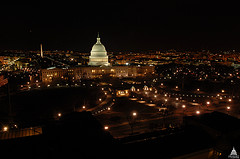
97	67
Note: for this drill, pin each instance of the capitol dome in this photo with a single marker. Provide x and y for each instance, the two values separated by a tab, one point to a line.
98	49
99	55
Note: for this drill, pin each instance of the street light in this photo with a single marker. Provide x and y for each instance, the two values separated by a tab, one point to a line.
183	106
134	114
228	109
106	128
59	114
198	112
5	129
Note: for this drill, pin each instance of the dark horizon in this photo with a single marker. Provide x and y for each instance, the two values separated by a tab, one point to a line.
123	27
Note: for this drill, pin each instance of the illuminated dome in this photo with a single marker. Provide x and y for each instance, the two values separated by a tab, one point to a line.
98	54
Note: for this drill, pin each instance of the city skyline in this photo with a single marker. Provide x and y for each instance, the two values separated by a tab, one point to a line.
162	78
131	27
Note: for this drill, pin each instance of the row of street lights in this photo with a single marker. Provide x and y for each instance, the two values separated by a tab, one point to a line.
131	120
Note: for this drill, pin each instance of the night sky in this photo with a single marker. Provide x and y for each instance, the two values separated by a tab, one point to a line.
134	26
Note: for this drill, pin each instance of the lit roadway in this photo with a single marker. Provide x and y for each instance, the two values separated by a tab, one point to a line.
185	104
5	67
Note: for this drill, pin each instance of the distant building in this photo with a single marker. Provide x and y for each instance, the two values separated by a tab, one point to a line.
78	73
98	66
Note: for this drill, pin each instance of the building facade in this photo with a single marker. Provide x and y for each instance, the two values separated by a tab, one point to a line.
89	72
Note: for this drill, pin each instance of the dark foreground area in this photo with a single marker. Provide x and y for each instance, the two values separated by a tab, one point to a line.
80	135
38	106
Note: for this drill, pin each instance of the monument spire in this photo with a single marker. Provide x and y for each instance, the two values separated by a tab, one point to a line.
41	51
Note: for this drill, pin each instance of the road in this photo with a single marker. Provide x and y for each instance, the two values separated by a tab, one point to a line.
148	103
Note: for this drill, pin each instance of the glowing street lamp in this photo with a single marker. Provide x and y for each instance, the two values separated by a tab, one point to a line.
183	106
5	129
208	103
134	114
198	112
230	100
223	91
84	107
59	115
106	128
228	109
